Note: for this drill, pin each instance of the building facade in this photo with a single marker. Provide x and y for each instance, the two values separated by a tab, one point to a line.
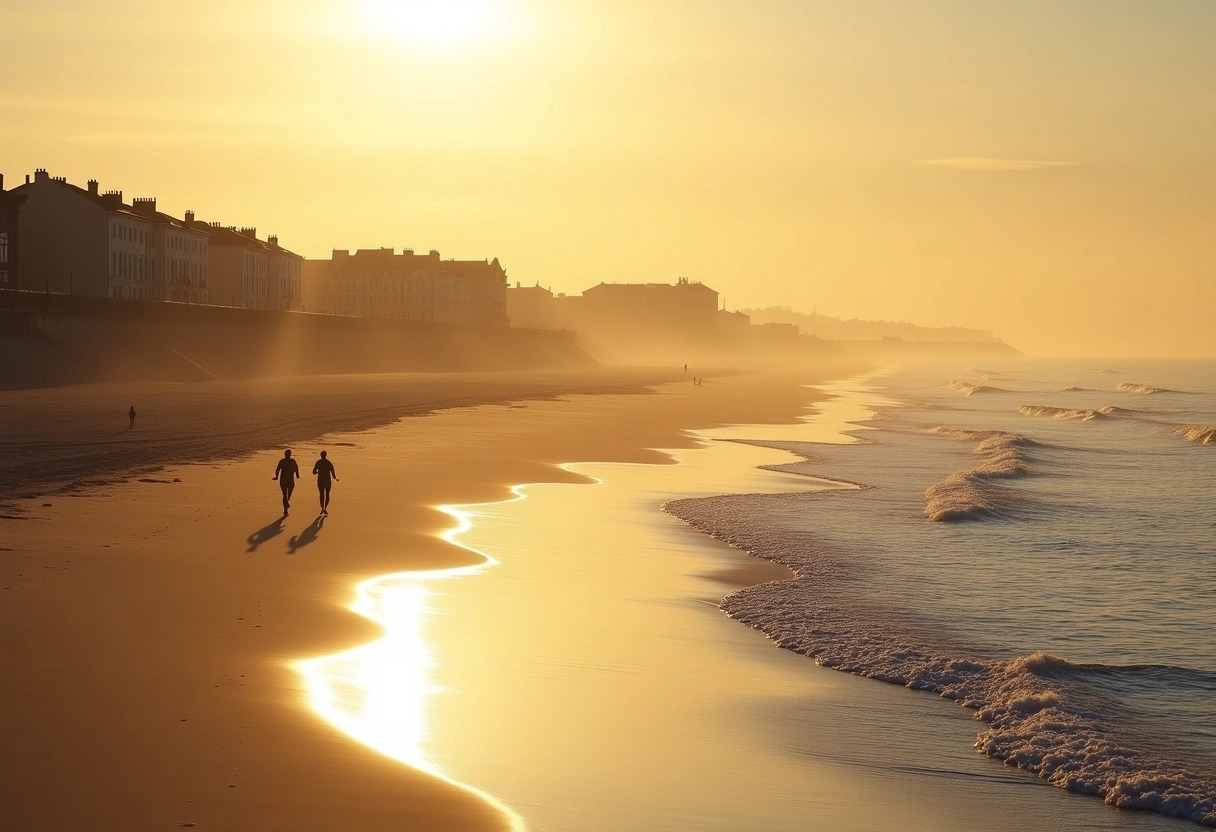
530	307
380	283
88	242
179	256
680	308
10	217
246	272
84	241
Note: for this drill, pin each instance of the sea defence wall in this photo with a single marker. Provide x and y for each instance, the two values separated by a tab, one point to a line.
53	340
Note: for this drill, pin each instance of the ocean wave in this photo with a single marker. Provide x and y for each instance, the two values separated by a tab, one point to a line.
975	494
1075	389
969	389
1144	389
1199	434
1041	712
1111	410
1060	412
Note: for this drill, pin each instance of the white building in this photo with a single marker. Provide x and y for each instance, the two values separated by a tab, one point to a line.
83	241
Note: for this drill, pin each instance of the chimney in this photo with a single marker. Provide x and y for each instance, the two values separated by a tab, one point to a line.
40	175
93	186
1	181
249	231
189	216
273	239
113	199
144	206
434	252
408	251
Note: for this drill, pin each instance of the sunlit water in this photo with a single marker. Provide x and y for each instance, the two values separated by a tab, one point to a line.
583	678
1037	542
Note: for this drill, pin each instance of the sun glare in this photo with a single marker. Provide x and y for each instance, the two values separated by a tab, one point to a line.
433	23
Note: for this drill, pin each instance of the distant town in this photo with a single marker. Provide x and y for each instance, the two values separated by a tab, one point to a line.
60	238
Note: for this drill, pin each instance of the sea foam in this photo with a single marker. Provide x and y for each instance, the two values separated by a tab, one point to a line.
969	389
975	494
1041	713
1061	412
1143	389
1199	434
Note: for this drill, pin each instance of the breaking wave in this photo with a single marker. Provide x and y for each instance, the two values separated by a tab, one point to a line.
969	389
976	494
1075	389
1143	389
1061	412
1199	434
1040	712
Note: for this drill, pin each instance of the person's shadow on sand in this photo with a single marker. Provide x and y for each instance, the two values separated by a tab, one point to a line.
307	536
263	534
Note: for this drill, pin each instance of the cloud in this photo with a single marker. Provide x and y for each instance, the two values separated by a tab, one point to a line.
979	163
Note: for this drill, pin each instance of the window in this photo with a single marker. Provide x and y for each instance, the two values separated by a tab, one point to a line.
3	246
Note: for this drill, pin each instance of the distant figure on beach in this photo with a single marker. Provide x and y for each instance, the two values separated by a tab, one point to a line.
685	369
324	469
287	472
131	415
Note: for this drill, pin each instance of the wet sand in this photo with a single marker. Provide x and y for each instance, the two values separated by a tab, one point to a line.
150	626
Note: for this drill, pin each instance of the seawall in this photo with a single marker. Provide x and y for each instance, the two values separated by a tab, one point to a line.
49	340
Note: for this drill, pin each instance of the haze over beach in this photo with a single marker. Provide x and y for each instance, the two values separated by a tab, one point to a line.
1038	169
679	416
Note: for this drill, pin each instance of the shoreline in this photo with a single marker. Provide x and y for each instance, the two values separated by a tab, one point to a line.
136	693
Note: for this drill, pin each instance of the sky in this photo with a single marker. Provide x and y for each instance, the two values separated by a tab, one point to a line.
1045	169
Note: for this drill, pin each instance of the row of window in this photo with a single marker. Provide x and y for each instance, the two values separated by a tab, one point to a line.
119	231
187	270
186	244
446	287
131	266
408	274
3	246
130	292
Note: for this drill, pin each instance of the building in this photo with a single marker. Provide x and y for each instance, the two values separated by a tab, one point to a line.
82	241
284	290
681	308
380	283
247	272
530	307
10	212
179	255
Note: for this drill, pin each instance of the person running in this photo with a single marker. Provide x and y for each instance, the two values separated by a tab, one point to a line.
131	416
324	469
287	472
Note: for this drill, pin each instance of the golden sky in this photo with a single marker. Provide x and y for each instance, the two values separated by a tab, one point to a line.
1042	168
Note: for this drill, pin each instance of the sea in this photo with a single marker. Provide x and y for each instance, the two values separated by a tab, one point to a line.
1035	541
1003	580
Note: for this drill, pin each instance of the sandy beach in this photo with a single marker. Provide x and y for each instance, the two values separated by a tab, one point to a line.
149	624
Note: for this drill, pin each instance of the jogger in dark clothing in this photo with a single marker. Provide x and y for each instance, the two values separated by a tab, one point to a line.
324	469
287	472
131	414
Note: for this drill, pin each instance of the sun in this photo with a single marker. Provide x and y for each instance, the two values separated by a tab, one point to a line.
433	23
